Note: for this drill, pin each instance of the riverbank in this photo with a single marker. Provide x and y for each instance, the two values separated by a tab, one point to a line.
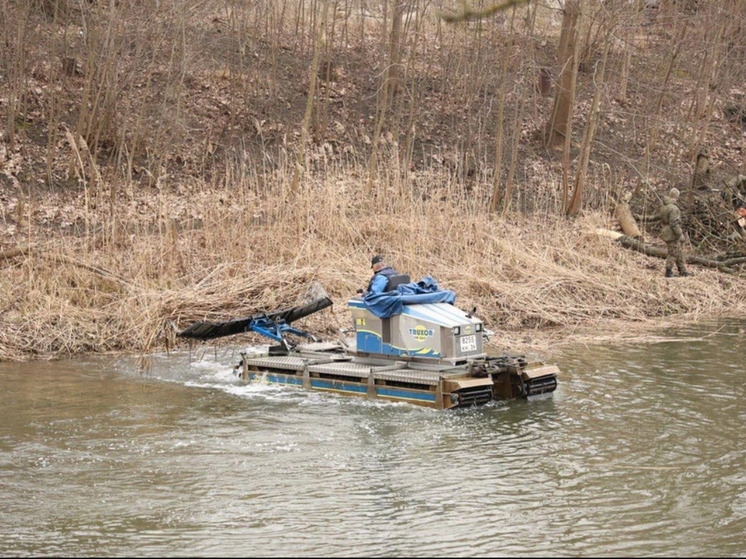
118	277
147	180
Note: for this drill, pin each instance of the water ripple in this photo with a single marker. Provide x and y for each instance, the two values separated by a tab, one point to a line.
639	452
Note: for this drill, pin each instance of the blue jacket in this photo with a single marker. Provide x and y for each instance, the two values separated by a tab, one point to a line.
380	280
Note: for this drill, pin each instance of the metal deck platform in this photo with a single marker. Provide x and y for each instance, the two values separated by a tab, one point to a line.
437	385
285	362
343	369
329	366
413	376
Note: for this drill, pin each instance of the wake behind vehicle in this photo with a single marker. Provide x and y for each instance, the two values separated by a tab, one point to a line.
425	353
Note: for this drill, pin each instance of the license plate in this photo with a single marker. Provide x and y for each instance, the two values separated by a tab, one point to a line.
468	343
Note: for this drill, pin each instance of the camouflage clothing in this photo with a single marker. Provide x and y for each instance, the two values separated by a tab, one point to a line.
671	233
675	255
735	191
670	217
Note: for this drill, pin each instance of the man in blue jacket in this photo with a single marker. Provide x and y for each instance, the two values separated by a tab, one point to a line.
381	274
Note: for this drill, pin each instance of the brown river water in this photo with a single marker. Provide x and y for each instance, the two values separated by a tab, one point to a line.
641	451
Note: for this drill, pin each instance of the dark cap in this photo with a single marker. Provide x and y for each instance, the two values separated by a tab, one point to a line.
375	260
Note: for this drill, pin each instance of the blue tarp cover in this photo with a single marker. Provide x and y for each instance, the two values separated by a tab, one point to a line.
389	303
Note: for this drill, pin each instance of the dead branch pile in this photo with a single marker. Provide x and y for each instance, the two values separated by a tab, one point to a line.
708	219
712	223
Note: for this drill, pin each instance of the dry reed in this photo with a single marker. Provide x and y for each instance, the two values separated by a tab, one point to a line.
536	281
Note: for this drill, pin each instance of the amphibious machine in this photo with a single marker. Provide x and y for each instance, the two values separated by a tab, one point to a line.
425	353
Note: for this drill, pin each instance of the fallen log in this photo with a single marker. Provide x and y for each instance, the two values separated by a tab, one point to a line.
659	252
734	261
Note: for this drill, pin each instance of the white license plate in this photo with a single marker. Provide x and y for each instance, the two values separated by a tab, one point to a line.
468	343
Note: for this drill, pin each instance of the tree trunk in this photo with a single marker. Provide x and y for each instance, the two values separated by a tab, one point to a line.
395	46
514	155
653	137
387	90
320	38
629	40
559	124
495	200
590	132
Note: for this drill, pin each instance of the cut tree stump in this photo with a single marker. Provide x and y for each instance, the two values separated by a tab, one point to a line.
623	215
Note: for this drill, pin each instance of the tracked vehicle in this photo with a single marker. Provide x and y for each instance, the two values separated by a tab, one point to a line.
428	353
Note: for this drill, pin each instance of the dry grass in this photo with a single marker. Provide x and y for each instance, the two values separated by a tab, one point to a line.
536	281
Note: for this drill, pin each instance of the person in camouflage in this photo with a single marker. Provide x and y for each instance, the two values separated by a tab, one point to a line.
671	233
734	193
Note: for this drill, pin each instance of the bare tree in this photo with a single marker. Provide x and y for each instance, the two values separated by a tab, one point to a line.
559	126
312	76
590	131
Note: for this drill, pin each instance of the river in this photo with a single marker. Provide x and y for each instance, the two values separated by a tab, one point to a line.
639	452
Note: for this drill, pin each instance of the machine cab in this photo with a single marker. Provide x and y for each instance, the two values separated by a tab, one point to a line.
429	331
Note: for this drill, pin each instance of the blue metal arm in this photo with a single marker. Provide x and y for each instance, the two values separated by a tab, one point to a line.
275	330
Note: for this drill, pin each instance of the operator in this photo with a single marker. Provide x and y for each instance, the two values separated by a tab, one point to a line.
381	274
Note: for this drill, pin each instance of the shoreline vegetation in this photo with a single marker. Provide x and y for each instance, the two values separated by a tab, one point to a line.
163	162
538	282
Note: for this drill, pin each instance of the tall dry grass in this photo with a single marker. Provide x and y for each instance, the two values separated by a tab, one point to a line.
536	280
